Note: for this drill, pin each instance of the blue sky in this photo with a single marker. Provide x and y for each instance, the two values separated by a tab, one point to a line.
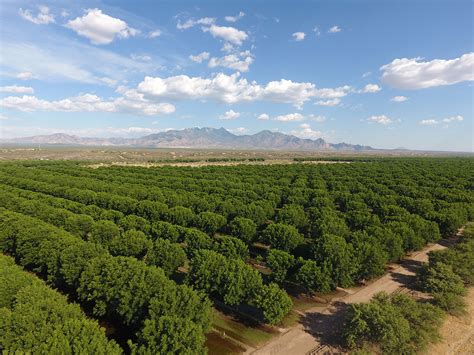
382	73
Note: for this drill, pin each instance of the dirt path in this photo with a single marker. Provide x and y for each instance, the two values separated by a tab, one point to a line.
320	327
457	332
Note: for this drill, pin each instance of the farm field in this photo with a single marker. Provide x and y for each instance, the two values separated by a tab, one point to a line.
223	259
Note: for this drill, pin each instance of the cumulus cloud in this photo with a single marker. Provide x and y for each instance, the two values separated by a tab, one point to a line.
334	29
230	115
154	34
233	89
457	118
193	22
235	18
100	28
399	98
42	18
291	117
317	31
25	75
141	57
299	36
15	89
306	131
412	74
229	34
370	89
429	122
238	130
89	103
240	61
263	117
382	119
331	102
199	58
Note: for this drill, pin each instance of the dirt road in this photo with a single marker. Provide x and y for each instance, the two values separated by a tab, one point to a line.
319	328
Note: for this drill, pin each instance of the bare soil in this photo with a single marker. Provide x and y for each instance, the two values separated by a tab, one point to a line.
457	332
319	328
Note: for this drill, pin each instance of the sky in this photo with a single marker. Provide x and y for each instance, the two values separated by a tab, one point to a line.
388	74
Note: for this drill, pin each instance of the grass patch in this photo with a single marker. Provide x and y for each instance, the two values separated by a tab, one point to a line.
251	335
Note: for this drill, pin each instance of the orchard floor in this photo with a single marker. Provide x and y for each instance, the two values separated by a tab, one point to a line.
457	332
318	331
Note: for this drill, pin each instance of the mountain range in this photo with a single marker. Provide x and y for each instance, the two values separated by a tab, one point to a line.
217	138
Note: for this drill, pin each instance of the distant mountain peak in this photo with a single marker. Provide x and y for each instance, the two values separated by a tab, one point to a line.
198	137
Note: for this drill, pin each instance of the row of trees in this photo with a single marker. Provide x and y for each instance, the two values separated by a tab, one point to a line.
37	319
138	296
377	225
399	324
449	272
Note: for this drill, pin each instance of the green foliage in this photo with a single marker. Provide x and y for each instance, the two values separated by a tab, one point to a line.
79	225
210	222
131	243
37	319
243	228
166	255
181	216
336	258
293	215
282	236
279	262
196	240
397	325
103	232
312	277
231	247
165	230
169	335
274	302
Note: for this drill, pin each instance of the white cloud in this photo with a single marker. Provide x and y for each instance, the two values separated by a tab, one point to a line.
54	63
291	117
238	130
263	117
25	75
334	29
230	115
235	18
429	122
42	18
317	31
366	74
200	57
3	117
399	98
412	74
329	93
192	22
154	34
382	119
331	102
228	47
317	118
371	88
299	36
143	58
88	103
307	132
100	28
17	89
229	34
233	89
458	118
64	13
237	61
